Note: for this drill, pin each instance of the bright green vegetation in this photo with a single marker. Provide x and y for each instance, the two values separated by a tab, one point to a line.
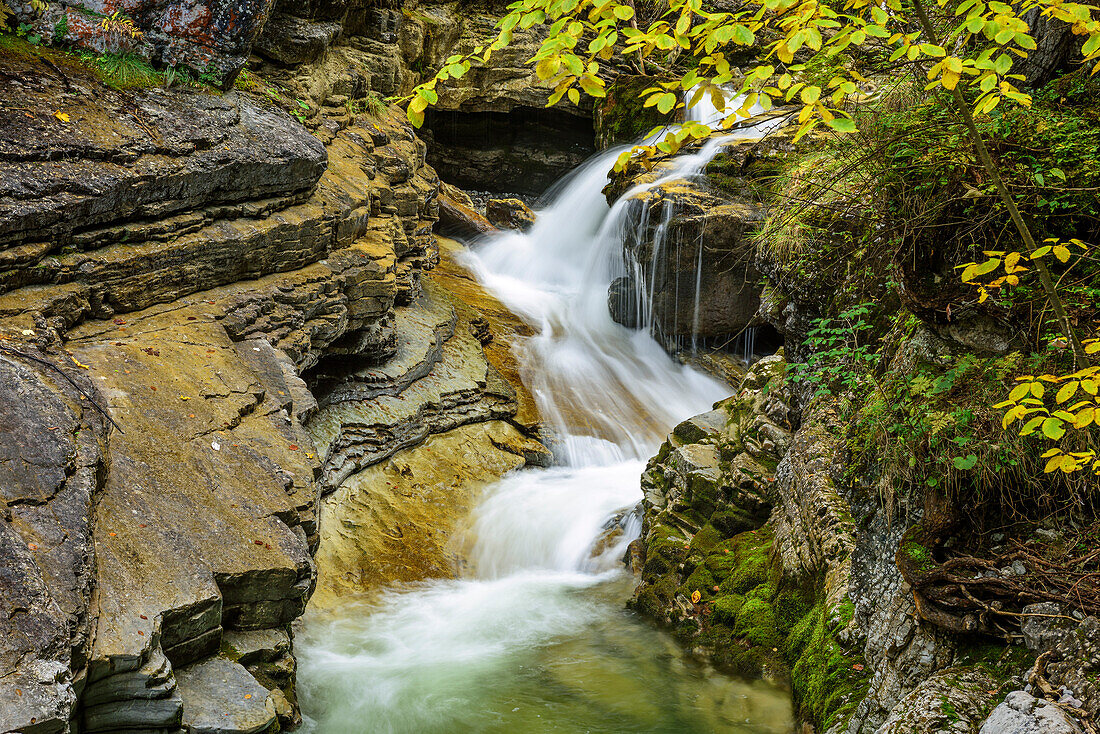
869	229
372	104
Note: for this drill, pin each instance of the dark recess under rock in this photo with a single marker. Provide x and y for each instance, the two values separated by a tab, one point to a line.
523	151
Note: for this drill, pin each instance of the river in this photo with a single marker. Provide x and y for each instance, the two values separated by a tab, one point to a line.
534	636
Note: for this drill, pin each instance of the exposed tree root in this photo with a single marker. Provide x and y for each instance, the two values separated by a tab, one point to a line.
965	593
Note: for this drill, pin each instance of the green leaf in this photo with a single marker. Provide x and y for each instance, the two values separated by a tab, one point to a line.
842	124
965	463
1054	428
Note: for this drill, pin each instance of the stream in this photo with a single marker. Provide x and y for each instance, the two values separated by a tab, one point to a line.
534	636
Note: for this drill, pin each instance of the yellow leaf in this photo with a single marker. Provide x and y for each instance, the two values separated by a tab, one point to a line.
1067	391
695	597
61	116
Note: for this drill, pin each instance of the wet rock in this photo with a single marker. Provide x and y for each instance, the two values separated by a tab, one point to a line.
509	214
708	484
457	219
1021	713
695	253
624	302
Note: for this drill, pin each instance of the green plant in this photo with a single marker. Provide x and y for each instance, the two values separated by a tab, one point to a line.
61	28
122	71
837	361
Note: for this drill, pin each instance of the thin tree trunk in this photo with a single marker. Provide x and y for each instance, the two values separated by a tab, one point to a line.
963	108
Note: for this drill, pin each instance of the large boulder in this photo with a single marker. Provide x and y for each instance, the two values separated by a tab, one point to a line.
509	214
213	38
694	251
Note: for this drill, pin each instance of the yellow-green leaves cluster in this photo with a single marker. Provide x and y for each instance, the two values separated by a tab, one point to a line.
1012	265
1052	405
976	50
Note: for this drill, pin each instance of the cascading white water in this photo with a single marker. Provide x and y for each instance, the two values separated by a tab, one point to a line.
534	637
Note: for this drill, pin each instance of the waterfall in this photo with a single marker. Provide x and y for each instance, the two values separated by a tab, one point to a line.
491	650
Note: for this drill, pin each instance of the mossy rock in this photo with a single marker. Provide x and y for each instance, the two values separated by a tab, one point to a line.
623	118
827	680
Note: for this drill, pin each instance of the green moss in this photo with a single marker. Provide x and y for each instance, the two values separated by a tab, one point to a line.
999	661
726	607
707	537
732	521
827	685
919	555
756	623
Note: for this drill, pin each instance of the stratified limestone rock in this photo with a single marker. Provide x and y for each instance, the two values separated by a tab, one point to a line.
51	457
292	40
396	520
489	130
227	267
475	304
142	158
210	38
437	380
209	503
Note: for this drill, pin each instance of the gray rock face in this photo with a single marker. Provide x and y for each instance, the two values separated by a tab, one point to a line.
1075	662
292	40
1022	713
1044	625
51	455
220	697
950	701
71	182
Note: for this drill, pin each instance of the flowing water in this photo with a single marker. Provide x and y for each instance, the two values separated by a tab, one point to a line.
534	636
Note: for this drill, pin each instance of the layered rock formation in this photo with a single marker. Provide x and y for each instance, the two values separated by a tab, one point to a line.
489	130
190	283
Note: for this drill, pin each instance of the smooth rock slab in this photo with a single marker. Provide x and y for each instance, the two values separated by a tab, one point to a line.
221	697
1022	713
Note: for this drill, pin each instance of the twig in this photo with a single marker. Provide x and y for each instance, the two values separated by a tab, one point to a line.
70	380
